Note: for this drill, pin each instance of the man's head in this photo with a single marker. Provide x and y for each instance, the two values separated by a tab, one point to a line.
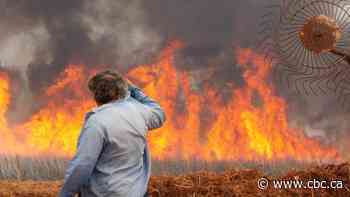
108	86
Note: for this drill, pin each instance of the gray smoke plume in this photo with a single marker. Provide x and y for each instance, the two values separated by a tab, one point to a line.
72	31
205	23
207	27
124	32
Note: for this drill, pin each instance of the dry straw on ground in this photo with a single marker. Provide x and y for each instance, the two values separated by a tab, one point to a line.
206	184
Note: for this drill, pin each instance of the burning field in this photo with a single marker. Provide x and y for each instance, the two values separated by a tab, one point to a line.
250	125
229	124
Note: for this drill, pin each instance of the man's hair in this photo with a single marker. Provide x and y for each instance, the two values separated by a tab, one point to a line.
107	86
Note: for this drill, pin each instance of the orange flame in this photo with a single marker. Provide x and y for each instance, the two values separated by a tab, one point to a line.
7	138
240	129
4	98
252	125
56	127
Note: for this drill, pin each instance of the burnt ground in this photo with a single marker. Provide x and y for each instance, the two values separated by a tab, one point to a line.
208	184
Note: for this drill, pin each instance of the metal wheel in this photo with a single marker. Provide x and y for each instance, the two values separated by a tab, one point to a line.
308	42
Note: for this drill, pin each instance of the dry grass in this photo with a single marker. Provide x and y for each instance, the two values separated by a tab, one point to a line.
231	183
29	168
42	177
52	168
179	167
243	183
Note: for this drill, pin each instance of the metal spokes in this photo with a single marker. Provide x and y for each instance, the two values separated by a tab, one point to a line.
310	71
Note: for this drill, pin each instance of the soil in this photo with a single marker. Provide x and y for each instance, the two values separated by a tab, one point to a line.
207	184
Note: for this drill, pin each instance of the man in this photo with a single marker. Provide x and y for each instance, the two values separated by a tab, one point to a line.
112	159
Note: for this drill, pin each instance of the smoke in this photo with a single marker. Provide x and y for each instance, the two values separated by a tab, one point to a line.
53	34
61	21
207	27
47	35
205	23
50	34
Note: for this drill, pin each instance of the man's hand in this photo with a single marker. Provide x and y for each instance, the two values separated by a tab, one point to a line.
156	115
129	82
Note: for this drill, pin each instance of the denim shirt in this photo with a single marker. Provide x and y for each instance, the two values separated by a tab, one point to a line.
112	158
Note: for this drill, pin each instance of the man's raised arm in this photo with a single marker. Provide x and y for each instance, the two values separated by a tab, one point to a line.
156	114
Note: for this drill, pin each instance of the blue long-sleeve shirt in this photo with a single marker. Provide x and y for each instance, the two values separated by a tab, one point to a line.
112	158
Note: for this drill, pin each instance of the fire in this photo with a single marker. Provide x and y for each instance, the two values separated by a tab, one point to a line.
240	129
4	98
56	127
7	138
244	130
252	125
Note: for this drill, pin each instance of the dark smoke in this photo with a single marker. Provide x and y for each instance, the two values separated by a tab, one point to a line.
205	24
70	27
210	30
207	27
67	32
